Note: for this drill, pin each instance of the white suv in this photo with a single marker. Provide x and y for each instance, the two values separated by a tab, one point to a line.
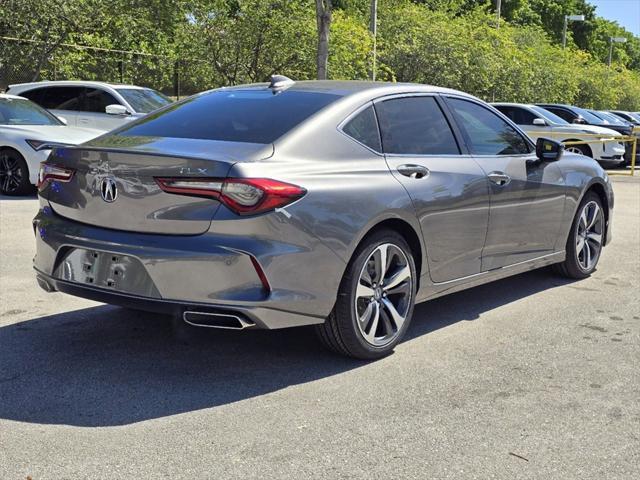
538	122
97	105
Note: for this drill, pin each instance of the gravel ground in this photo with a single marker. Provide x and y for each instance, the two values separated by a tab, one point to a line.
529	377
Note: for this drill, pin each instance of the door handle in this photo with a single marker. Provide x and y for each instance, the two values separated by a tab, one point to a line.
413	171
499	178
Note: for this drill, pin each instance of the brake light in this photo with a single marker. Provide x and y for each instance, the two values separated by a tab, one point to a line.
49	172
245	196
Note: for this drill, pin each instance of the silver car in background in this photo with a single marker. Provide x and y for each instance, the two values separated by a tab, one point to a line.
335	204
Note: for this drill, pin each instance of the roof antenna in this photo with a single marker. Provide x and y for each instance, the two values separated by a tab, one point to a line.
277	83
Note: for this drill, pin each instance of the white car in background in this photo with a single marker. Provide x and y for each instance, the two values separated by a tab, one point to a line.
26	132
538	122
99	105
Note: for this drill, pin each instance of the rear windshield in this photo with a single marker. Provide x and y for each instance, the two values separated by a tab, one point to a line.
252	116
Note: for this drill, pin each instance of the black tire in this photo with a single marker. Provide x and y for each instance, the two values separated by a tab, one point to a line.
14	174
572	266
341	332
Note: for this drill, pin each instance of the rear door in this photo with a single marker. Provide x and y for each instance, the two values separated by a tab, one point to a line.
449	190
527	196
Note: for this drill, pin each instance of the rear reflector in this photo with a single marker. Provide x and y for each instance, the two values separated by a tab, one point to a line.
245	196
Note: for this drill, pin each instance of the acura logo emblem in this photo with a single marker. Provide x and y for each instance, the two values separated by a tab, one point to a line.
109	190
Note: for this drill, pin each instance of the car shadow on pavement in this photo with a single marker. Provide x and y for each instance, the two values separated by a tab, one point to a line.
107	366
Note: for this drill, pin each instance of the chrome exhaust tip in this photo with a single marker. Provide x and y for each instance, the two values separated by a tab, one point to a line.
224	321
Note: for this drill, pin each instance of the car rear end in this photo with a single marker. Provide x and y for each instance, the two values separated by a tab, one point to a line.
161	216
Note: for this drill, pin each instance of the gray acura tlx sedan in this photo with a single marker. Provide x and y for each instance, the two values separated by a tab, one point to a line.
339	204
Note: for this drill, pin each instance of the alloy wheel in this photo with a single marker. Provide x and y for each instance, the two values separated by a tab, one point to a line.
589	231
383	295
10	173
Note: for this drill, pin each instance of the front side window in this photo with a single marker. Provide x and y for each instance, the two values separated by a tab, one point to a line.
96	100
415	125
566	115
17	111
486	133
364	128
252	115
517	115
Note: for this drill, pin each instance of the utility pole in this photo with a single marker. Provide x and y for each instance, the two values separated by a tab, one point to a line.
573	18
373	28
498	12
613	40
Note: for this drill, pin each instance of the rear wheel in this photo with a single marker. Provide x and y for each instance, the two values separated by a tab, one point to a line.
14	174
584	244
375	300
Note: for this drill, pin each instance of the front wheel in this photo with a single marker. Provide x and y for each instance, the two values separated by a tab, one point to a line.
375	300
584	244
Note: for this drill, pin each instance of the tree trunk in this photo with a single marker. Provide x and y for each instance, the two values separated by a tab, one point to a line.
323	18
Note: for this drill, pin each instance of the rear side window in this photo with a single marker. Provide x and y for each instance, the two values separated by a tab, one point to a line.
62	98
485	132
34	95
415	125
96	100
253	116
364	128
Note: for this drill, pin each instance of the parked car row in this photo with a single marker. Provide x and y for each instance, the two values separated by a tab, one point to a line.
35	115
92	108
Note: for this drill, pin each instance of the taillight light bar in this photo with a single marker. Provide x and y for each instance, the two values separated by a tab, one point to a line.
245	196
49	172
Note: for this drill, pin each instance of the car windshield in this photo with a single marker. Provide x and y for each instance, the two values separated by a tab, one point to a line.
20	111
635	116
611	118
551	117
589	117
232	115
144	100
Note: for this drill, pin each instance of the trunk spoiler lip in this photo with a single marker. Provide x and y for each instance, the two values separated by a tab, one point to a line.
262	152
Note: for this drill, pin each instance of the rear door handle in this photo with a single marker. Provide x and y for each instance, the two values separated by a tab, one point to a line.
413	171
499	178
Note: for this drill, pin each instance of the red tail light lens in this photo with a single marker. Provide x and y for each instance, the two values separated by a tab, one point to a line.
49	172
245	196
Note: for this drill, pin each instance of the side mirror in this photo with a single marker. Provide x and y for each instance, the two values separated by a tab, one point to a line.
63	120
548	150
579	121
540	122
116	109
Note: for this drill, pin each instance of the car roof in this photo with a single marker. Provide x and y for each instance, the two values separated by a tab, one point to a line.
70	83
13	97
350	87
512	104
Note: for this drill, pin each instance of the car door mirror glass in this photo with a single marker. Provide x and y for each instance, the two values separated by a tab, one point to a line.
540	122
116	109
548	150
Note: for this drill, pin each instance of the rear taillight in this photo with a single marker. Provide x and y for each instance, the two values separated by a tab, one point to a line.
245	196
49	173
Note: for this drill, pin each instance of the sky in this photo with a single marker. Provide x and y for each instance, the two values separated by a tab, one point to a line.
625	12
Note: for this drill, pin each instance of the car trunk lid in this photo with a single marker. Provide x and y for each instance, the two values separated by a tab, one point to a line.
132	164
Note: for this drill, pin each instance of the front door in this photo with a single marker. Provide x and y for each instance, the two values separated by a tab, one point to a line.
450	191
527	196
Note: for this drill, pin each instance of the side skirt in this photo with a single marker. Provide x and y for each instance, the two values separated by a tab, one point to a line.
434	290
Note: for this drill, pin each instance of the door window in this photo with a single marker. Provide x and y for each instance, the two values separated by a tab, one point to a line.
562	113
96	100
415	125
486	133
517	115
63	98
364	128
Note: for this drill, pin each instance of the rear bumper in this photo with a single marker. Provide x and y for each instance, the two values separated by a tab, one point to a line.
174	274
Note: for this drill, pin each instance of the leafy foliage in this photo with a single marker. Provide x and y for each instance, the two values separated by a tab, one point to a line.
201	44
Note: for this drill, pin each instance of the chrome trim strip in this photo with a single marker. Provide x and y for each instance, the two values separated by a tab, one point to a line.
243	323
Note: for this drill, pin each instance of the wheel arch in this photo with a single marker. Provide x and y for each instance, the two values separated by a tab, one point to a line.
579	140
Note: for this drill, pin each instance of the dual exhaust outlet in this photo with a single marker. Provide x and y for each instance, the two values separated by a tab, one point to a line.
225	321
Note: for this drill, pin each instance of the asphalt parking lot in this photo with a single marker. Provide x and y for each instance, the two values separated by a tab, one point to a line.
530	377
